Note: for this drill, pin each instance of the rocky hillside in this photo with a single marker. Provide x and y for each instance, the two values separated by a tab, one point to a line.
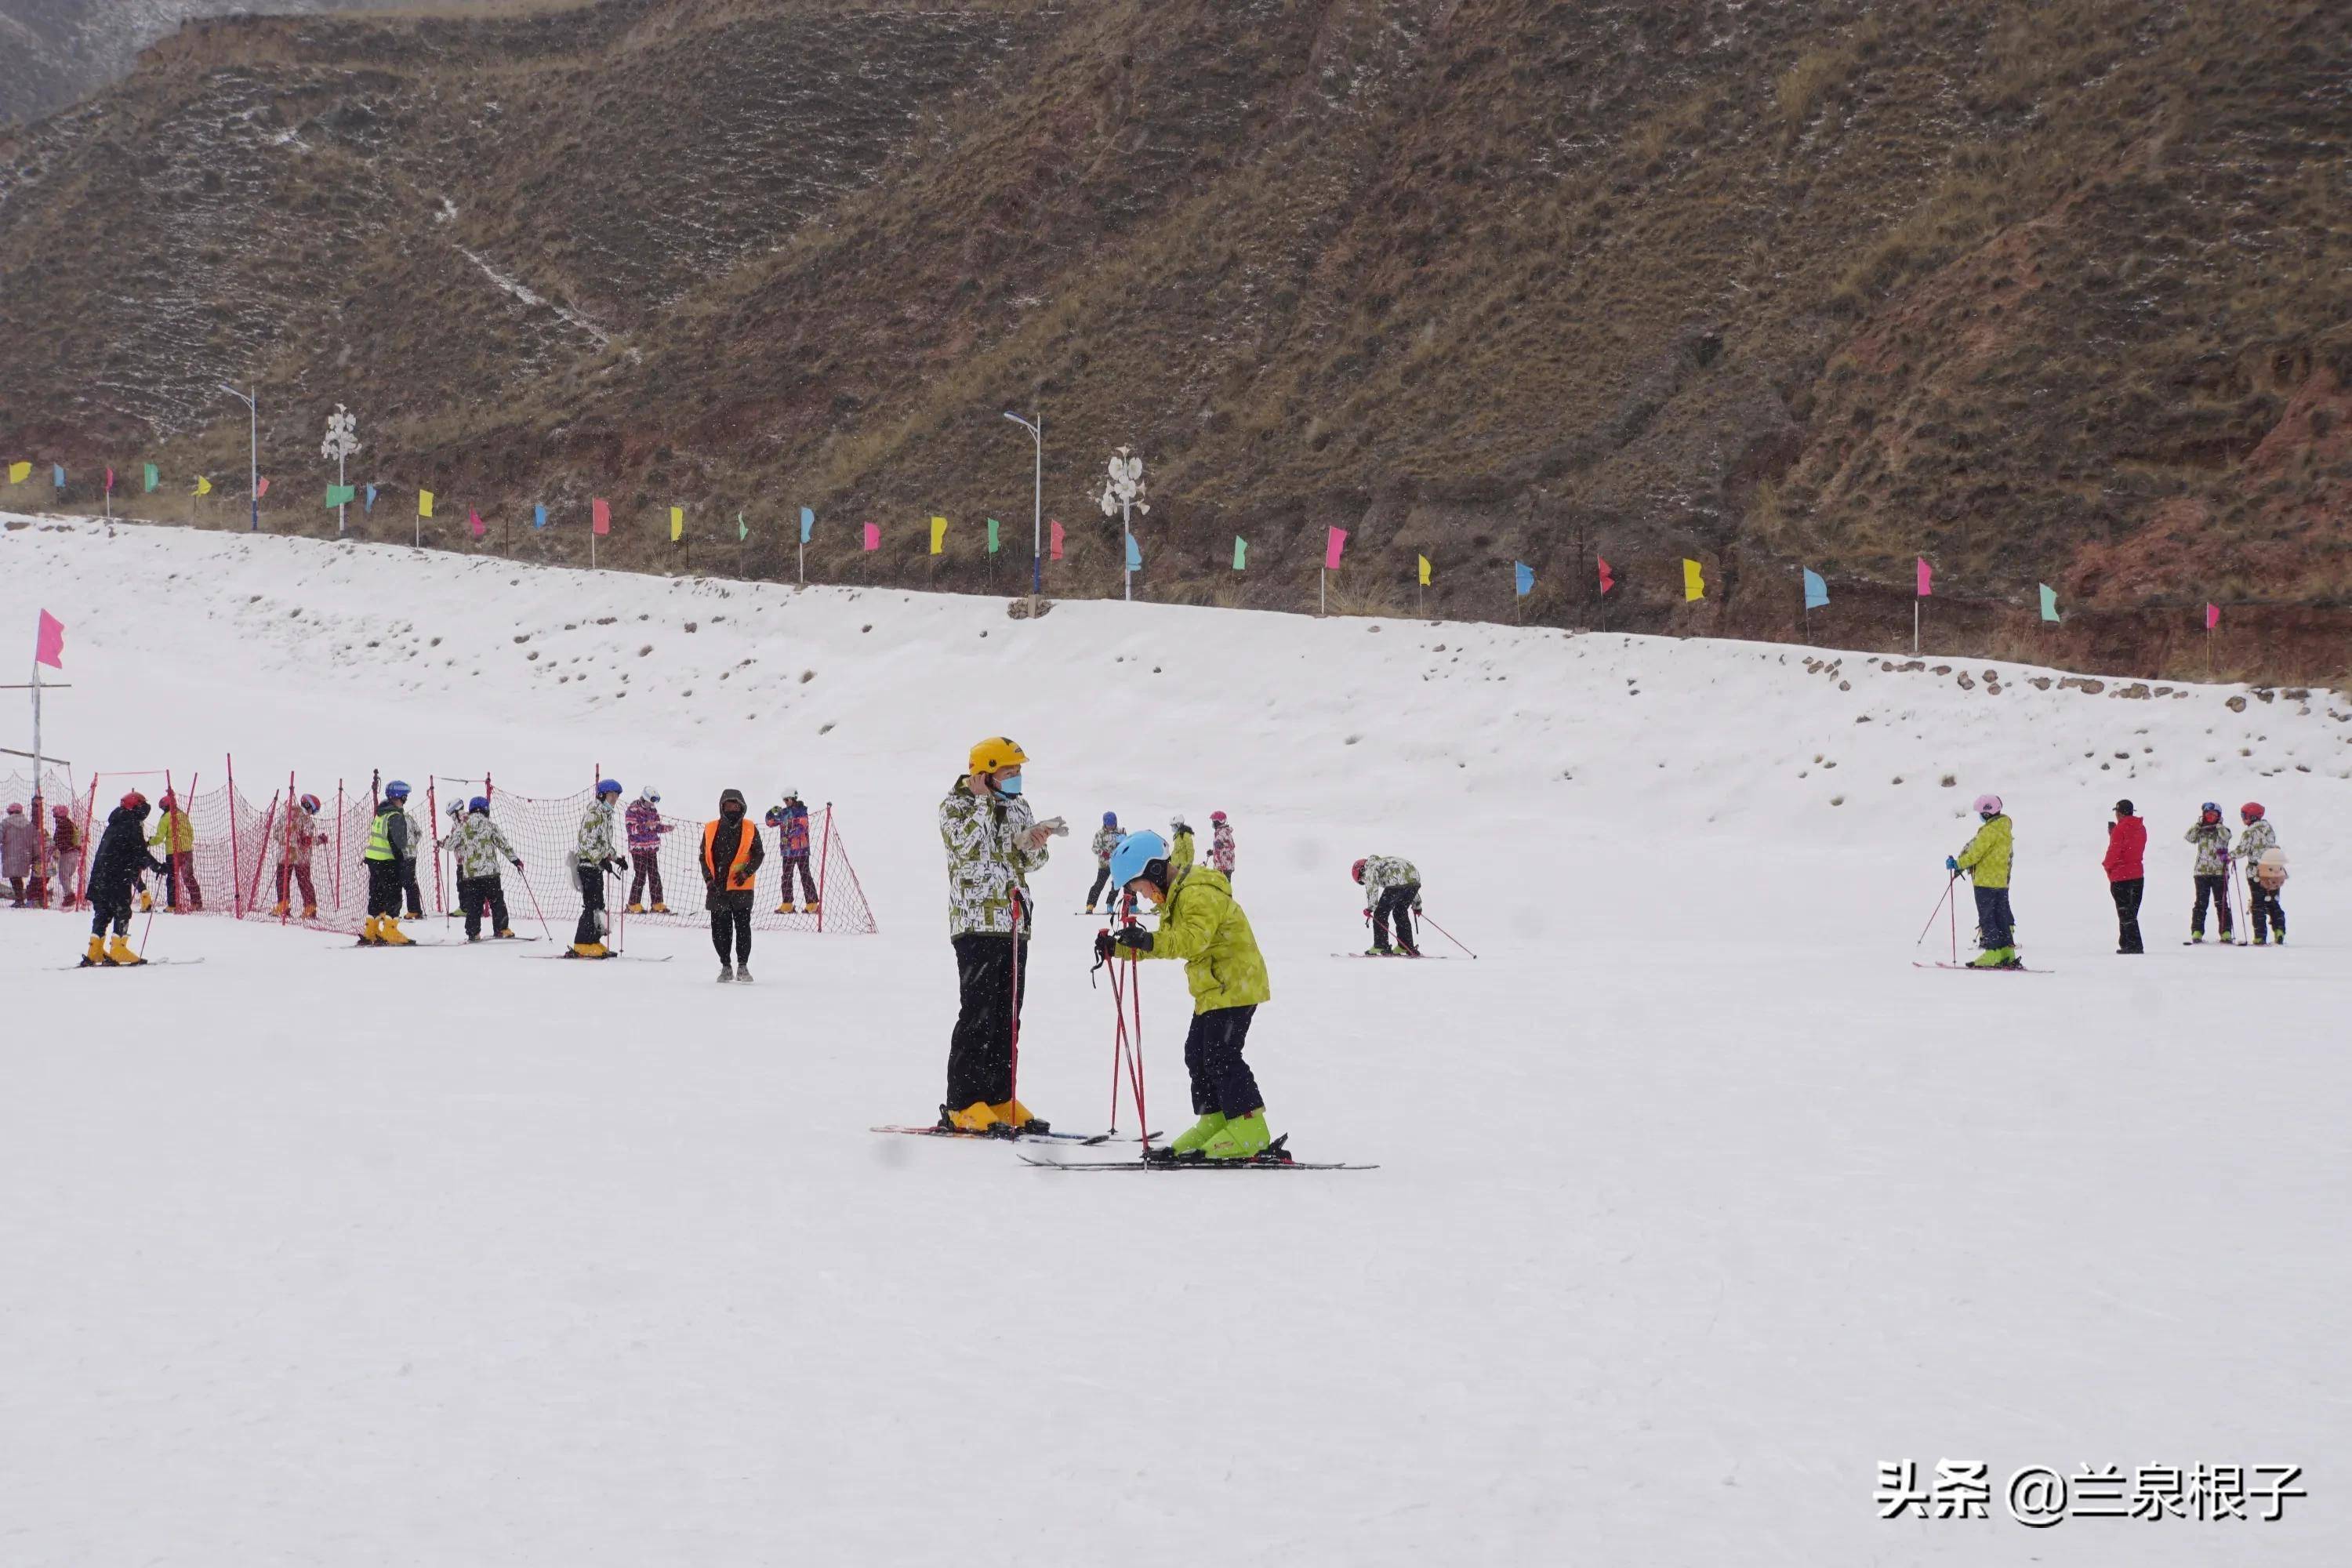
2051	292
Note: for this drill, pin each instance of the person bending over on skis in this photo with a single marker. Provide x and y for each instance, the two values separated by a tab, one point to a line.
1391	891
481	849
2211	837
391	851
645	828
1987	862
1200	924
2263	908
1106	844
592	858
994	842
731	853
121	858
1221	845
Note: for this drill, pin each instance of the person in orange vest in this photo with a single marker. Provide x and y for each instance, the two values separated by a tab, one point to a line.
731	853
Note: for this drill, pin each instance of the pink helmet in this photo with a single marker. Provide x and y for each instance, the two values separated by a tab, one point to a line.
1988	805
1216	816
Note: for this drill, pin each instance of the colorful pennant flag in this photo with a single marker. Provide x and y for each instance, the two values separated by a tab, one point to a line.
1334	542
539	516
1424	569
49	641
1694	580
371	498
2049	602
204	486
2212	617
339	495
873	536
992	536
1134	554
1607	582
19	472
939	535
1926	578
600	515
1523	578
109	481
1241	553
474	523
57	476
260	487
1054	543
677	523
1817	593
742	529
425	503
808	524
153	478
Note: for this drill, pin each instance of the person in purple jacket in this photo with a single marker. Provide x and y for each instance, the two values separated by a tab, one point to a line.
646	829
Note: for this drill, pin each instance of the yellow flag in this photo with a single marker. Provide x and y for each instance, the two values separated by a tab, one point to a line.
19	472
204	486
425	503
1424	570
939	535
677	523
1694	586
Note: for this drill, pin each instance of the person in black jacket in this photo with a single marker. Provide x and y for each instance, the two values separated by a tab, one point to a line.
731	853
120	860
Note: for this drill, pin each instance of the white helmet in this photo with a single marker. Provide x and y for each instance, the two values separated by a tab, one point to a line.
791	793
650	795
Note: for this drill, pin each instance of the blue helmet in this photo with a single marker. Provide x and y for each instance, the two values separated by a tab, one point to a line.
1110	820
608	786
395	790
1135	852
479	803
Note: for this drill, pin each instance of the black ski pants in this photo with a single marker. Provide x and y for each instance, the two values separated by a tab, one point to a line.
592	907
2213	889
408	887
1996	927
730	925
1102	876
2265	910
808	883
979	1052
1396	904
2127	894
1222	1081
478	896
109	906
384	887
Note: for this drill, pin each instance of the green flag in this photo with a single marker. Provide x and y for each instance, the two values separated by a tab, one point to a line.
992	536
153	478
743	533
1241	552
2049	602
340	495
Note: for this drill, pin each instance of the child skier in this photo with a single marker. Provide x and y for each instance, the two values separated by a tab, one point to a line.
1221	845
592	858
1180	846
2126	875
481	849
2211	838
301	837
1106	844
391	850
646	829
65	840
994	842
731	852
16	835
122	858
178	837
791	824
2262	908
1987	861
1200	924
1391	892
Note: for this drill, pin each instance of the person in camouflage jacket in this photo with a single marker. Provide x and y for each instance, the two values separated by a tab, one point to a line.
1391	892
993	841
482	851
592	857
1107	840
2264	911
2210	834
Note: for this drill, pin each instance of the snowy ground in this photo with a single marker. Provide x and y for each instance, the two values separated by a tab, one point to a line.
1697	1200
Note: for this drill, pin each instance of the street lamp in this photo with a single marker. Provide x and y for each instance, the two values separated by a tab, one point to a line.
1124	495
253	457
1037	520
343	440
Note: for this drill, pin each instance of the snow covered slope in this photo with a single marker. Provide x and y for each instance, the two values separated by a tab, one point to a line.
1697	1200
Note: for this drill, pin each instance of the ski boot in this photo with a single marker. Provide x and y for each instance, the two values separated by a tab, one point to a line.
97	954
635	910
1997	958
726	972
1379	950
975	1118
813	908
1244	1138
117	951
1015	1118
1197	1135
2261	940
1409	950
389	933
506	935
146	901
282	910
786	908
660	909
309	911
1090	909
368	932
589	950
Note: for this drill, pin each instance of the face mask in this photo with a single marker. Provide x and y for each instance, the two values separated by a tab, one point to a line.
731	811
1010	786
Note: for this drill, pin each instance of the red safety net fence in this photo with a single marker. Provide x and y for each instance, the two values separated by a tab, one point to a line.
246	853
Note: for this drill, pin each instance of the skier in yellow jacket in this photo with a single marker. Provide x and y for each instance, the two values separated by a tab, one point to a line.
1987	861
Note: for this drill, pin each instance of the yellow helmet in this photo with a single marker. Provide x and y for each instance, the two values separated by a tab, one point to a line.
995	754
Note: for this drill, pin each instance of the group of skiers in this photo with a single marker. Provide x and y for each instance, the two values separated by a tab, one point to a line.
1180	849
1988	858
732	853
32	854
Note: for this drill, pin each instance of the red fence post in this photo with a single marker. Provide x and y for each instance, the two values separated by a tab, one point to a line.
81	857
261	850
236	857
823	854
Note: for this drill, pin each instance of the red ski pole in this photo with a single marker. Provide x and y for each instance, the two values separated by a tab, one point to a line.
534	903
1012	1073
1939	908
1446	935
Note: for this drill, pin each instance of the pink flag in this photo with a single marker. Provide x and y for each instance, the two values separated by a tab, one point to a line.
1607	582
261	487
474	522
1056	550
1926	578
1334	542
2212	617
873	536
50	642
109	481
600	516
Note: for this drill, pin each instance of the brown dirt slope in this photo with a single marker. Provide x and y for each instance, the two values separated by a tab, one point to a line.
2053	292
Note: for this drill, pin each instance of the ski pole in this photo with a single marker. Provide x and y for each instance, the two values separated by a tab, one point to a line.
1939	908
527	888
1013	1069
1446	935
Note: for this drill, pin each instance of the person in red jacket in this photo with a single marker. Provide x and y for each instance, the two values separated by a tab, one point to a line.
2127	878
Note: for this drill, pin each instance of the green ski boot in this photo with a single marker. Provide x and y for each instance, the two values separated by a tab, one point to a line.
1241	1139
1995	958
1198	1135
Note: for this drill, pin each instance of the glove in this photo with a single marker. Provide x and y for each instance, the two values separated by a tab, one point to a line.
1368	914
1952	865
1136	937
1104	943
518	865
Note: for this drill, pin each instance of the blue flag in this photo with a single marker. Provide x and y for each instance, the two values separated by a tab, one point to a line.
808	523
1524	576
1817	593
539	517
371	498
57	471
1134	554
